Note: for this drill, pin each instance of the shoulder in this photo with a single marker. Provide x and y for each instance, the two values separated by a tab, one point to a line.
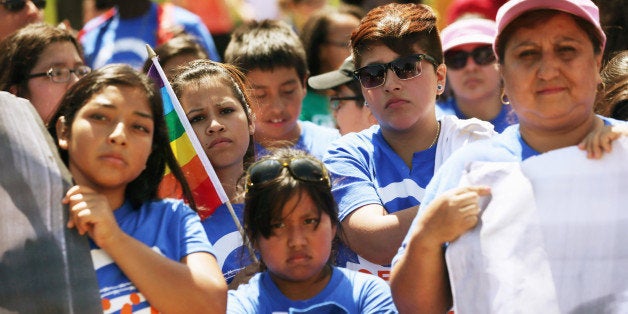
246	299
364	139
181	15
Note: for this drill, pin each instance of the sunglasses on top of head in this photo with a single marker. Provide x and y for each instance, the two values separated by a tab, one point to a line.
405	68
303	169
457	59
19	5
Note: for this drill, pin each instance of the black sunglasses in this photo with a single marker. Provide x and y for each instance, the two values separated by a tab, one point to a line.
405	68
303	169
18	5
457	59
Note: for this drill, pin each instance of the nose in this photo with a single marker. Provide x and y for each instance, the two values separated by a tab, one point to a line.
548	67
391	81
296	236
118	135
215	126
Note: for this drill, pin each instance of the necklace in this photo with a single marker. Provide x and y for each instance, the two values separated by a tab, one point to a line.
436	137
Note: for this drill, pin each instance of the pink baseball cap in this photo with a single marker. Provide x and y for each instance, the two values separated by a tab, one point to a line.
468	31
585	9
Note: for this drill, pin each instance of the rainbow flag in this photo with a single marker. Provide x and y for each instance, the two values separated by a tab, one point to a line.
206	188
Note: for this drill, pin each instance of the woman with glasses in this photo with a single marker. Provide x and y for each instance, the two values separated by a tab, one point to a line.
381	173
15	14
472	74
291	218
550	54
40	62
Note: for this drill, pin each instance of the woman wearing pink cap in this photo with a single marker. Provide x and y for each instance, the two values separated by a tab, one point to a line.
473	75
550	53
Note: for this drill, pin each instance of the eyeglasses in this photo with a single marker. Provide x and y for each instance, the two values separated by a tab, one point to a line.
18	5
62	75
405	68
457	59
303	169
334	102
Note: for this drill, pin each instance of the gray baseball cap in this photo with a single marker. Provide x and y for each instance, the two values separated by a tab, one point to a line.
334	78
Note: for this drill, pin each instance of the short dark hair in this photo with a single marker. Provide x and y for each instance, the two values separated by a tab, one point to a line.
264	202
266	45
20	52
230	76
400	27
145	186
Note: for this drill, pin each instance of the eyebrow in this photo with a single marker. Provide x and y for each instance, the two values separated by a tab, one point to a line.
137	113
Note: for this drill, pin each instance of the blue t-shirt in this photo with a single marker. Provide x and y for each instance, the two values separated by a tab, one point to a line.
223	234
124	41
347	292
505	117
366	170
168	226
508	146
314	139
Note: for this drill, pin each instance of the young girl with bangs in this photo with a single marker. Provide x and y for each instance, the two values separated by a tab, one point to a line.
291	219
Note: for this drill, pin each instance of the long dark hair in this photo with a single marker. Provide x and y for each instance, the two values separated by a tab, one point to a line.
145	186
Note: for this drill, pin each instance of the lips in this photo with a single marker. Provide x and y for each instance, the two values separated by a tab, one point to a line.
219	141
298	258
113	158
394	102
550	90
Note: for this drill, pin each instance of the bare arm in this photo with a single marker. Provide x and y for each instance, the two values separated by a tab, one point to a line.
419	280
384	231
193	285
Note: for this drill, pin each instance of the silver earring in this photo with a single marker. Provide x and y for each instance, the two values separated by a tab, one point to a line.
366	104
439	87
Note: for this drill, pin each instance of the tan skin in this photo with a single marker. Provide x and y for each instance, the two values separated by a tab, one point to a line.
297	251
550	73
108	143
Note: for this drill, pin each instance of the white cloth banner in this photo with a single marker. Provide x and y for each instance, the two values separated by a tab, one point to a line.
552	238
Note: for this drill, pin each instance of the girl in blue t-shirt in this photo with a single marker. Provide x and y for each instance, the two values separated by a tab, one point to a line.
291	218
147	252
215	100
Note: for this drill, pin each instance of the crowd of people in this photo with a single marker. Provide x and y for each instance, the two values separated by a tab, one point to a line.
362	149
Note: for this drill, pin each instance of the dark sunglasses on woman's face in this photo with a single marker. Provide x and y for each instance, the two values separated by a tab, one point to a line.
405	68
19	5
303	169
457	59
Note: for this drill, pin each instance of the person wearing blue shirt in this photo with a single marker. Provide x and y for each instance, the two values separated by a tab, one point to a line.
147	252
216	102
273	59
380	173
291	219
120	34
550	54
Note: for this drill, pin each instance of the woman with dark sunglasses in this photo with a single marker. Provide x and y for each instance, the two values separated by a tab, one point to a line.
291	219
15	14
472	74
40	62
381	173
